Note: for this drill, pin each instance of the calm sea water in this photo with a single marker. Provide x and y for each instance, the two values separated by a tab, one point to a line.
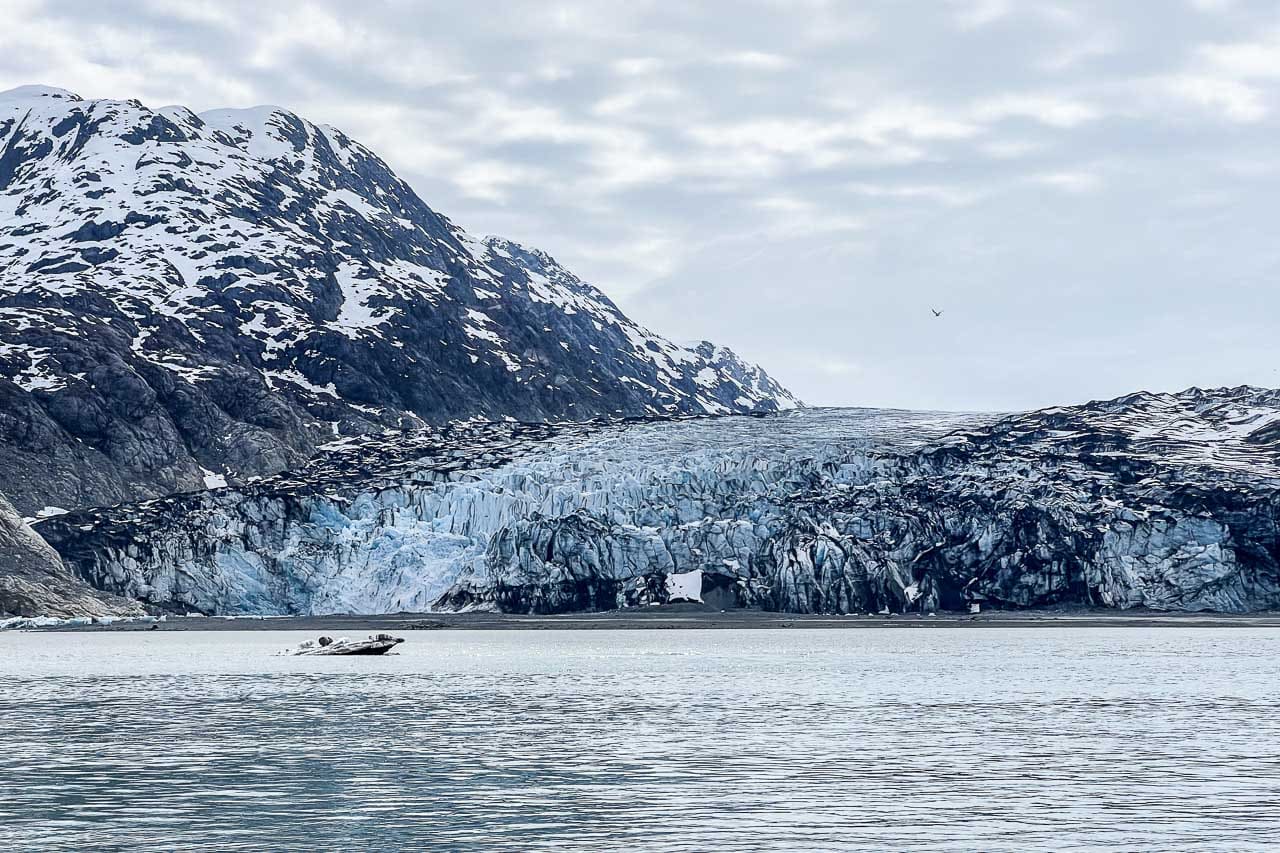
876	739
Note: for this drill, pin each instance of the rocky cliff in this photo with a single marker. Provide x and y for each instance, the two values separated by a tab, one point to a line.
34	581
186	299
1166	501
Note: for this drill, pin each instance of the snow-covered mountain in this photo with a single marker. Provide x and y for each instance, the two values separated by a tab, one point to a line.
1168	501
186	298
310	393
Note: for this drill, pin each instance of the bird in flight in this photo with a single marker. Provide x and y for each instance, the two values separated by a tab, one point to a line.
936	312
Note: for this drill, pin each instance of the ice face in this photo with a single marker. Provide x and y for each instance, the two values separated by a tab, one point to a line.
1111	504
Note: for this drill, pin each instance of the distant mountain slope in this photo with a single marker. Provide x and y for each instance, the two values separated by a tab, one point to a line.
187	297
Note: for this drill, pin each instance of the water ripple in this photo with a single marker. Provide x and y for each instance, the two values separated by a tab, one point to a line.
1006	739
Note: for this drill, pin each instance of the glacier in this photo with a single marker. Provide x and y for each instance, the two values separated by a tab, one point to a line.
1163	501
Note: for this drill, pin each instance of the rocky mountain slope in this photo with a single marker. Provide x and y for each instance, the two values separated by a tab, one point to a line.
188	298
34	581
1167	501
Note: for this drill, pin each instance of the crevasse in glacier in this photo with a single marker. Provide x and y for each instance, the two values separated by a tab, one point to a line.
1164	501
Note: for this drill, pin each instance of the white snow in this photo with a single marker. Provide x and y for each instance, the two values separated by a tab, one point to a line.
26	94
213	480
229	164
356	314
293	377
685	586
356	203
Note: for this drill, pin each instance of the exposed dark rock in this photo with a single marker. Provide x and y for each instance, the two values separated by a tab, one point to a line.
34	581
227	292
1163	501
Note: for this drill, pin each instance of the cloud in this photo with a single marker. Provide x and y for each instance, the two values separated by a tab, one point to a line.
637	65
951	196
1051	110
638	102
793	216
912	120
754	59
976	14
1232	99
490	180
1224	77
1009	149
1211	6
766	172
637	258
837	367
1071	182
1254	58
1082	49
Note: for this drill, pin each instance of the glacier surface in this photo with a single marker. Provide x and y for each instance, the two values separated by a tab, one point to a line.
1162	501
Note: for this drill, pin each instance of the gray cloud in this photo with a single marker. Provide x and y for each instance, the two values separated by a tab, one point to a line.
1086	189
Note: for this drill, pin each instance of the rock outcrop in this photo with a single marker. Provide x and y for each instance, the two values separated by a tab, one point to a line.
1164	501
34	582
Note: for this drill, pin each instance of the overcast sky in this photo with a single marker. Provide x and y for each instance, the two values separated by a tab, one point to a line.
1088	191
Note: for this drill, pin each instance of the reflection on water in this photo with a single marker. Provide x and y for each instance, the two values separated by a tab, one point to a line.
992	739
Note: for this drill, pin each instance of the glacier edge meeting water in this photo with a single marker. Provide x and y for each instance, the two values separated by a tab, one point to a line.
1167	502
